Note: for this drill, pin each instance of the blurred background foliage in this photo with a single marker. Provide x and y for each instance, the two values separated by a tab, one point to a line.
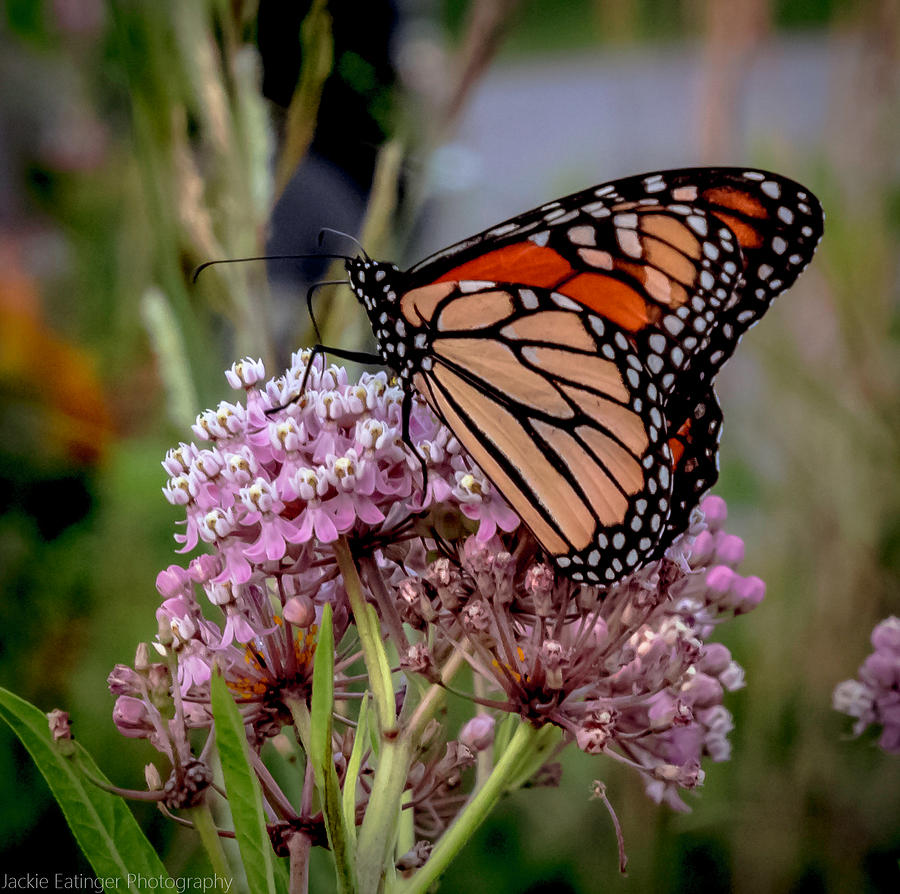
139	139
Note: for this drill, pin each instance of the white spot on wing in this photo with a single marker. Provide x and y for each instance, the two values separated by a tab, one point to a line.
564	302
629	242
474	285
502	230
698	224
583	235
629	221
529	299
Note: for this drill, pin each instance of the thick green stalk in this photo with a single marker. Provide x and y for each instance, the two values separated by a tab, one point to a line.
203	821
329	796
474	814
380	825
379	671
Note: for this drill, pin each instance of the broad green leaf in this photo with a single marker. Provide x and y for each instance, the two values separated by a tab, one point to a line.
103	826
242	786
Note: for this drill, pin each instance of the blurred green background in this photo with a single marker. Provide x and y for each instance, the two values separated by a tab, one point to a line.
139	138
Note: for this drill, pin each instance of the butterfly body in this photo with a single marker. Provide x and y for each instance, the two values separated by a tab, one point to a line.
572	349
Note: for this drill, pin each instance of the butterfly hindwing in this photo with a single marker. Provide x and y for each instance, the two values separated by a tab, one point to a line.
560	413
694	423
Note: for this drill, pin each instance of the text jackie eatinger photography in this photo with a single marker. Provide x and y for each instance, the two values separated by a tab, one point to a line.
62	881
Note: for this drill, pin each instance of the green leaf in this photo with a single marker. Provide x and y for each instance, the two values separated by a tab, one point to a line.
322	701
103	826
353	765
244	794
321	707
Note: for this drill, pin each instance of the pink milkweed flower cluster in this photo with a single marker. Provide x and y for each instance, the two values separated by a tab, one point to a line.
627	673
271	483
874	698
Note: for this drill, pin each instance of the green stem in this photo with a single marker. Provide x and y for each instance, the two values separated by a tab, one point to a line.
369	637
205	825
380	824
331	805
474	813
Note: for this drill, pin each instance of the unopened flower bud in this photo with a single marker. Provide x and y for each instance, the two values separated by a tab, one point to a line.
749	592
729	549
429	734
478	733
152	778
123	680
141	657
415	857
715	512
60	728
300	611
418	660
164	633
715	659
132	718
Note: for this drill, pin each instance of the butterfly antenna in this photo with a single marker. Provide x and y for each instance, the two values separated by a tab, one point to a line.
352	239
309	307
308	257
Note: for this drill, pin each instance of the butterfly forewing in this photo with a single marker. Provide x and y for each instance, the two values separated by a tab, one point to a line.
572	349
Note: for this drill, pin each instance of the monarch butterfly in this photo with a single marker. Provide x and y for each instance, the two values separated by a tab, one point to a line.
572	349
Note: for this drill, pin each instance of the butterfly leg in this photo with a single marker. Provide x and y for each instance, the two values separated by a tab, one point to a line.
406	410
357	356
322	350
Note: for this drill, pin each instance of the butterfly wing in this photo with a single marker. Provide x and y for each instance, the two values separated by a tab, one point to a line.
684	260
661	274
557	408
694	423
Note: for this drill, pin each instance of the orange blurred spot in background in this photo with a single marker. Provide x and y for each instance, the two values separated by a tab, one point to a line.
52	379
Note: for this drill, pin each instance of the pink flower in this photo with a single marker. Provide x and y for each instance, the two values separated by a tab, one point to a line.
874	699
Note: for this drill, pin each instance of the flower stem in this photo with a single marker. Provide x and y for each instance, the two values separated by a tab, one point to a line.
299	846
476	811
369	636
209	836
